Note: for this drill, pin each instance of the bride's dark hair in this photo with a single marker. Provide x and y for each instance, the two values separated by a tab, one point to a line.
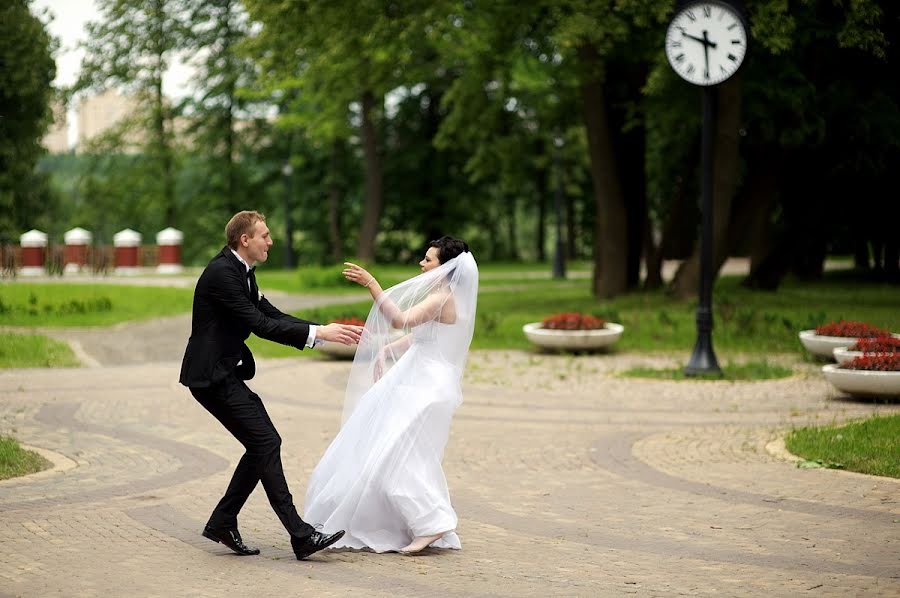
449	248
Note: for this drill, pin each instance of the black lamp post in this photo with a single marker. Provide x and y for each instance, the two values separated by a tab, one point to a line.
559	260
288	171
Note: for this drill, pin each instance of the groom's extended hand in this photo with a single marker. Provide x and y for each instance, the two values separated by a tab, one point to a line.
340	333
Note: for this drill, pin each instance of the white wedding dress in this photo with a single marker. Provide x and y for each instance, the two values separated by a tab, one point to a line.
381	478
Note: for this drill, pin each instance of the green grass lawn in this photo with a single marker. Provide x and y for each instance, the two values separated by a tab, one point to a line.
871	446
750	370
745	321
16	461
34	351
36	304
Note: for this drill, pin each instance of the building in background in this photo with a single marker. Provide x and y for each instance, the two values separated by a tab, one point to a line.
100	113
57	138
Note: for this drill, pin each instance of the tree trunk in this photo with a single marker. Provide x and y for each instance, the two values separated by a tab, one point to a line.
163	151
512	228
374	202
435	214
610	222
756	212
861	252
653	258
622	85
231	194
571	227
725	176
335	242
892	260
542	186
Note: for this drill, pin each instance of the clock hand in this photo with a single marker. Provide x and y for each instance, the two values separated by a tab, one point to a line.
706	46
703	40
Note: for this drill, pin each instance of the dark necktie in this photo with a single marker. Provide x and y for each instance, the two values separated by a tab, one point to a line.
250	278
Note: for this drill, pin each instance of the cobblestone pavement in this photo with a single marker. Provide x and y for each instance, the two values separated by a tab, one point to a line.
568	481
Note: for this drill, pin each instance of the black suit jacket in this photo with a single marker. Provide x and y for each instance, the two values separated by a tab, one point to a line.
226	310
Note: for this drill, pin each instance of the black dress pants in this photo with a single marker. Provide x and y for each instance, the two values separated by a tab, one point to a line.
242	413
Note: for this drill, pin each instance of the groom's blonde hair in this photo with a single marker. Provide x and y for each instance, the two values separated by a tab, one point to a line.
241	223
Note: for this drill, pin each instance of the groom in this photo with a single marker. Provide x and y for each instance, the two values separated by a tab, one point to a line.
227	308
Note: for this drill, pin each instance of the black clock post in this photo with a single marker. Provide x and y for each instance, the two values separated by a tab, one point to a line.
703	359
705	43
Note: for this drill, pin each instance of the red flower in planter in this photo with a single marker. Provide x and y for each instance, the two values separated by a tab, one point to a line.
351	320
850	329
876	362
572	321
880	344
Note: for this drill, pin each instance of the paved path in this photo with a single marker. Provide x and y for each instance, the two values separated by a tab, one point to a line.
568	482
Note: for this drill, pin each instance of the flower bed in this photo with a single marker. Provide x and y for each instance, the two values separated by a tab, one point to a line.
351	321
825	339
870	373
875	362
572	321
850	329
879	344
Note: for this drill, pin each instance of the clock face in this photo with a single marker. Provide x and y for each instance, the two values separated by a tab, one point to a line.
706	42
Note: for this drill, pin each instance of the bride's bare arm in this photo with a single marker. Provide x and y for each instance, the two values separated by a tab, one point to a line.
427	310
398	347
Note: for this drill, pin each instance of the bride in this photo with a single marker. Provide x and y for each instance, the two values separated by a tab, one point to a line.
381	477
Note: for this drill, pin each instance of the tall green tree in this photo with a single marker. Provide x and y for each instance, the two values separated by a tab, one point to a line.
342	58
217	110
778	136
574	45
132	46
27	70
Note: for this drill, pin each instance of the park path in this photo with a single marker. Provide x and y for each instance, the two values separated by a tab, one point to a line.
568	481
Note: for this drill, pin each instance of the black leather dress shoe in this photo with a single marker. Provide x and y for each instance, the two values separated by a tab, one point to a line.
230	538
315	543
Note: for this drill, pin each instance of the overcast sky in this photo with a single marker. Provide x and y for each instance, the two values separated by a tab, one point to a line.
68	25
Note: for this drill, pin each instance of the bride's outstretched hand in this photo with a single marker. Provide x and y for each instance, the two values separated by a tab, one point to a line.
378	367
357	274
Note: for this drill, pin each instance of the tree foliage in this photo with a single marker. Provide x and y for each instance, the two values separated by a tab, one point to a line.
131	47
27	71
402	121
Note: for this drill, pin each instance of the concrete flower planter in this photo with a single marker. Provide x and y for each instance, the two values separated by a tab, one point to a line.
843	356
823	346
863	383
573	340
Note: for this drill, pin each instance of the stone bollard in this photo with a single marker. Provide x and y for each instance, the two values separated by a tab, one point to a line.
127	245
75	254
168	242
34	253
